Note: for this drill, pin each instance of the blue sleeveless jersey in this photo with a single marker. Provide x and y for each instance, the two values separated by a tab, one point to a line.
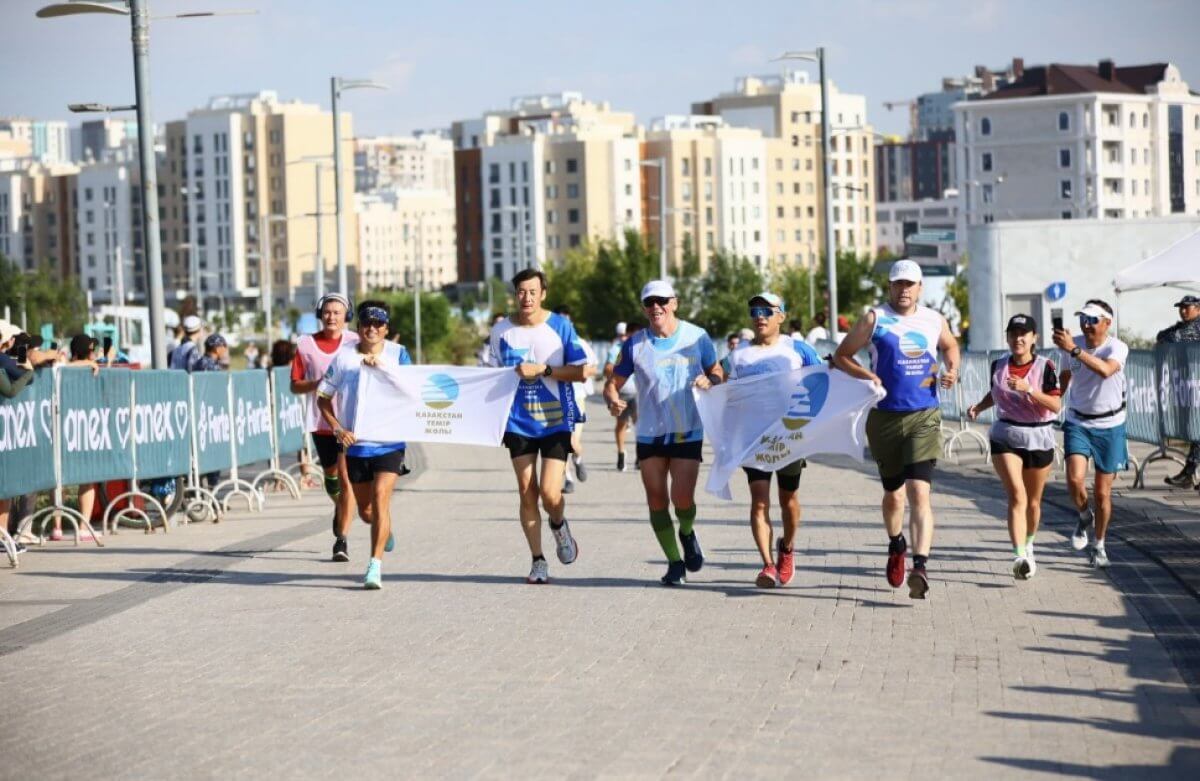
904	354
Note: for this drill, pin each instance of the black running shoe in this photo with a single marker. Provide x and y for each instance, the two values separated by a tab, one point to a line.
340	550
918	583
676	574
620	462
693	554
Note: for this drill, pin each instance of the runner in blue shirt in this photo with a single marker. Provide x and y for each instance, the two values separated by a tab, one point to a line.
668	357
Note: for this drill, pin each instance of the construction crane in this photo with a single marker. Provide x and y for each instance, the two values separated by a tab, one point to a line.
912	114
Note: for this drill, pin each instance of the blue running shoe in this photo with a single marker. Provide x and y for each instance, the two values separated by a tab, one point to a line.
390	545
676	574
374	577
693	554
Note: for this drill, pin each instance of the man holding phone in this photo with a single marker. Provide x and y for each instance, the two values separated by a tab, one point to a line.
1093	382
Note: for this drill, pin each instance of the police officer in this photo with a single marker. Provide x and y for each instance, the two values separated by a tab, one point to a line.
1186	330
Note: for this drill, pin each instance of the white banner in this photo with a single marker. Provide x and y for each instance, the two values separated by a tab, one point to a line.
767	421
452	404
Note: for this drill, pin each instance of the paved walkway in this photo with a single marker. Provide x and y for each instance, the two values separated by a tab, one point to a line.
238	650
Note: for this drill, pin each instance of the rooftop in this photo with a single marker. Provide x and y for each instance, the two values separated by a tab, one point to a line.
1059	79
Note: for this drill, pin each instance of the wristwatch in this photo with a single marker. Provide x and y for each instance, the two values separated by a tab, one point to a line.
1075	352
548	371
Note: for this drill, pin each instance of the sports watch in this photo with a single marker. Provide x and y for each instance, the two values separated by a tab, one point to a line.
548	371
1075	352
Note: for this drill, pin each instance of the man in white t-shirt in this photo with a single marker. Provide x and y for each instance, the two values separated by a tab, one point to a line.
1093	381
818	332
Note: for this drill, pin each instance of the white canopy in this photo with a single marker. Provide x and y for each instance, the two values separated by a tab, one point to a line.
1178	264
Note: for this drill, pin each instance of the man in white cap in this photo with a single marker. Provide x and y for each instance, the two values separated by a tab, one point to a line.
904	430
668	358
628	394
188	353
1093	381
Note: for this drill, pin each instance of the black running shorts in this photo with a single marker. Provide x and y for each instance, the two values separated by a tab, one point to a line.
555	447
362	469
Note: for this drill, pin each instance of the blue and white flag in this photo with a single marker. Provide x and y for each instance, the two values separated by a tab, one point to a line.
451	404
767	421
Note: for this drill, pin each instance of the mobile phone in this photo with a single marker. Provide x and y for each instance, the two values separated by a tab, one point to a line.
1056	319
20	353
54	347
107	344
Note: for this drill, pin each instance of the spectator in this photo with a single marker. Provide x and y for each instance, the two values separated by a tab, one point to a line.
16	370
253	356
796	329
731	343
282	353
83	354
188	353
818	331
1186	330
216	355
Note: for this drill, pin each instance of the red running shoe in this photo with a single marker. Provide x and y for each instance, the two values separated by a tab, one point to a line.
895	563
785	564
767	578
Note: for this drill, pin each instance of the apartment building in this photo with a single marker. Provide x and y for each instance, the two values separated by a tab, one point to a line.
406	237
108	246
1080	141
786	110
238	164
37	222
48	141
420	162
97	139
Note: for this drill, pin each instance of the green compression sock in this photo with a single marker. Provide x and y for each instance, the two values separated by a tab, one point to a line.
1029	538
687	519
664	530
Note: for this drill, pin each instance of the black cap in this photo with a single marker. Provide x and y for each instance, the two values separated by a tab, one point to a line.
1188	300
1023	323
214	341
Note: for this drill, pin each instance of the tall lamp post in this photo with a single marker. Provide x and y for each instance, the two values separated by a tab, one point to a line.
661	164
818	56
318	162
338	85
139	17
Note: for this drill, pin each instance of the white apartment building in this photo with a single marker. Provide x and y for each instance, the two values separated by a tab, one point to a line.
108	247
48	141
897	220
406	237
1070	142
421	162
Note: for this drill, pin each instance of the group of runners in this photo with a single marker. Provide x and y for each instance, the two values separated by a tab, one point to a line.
913	353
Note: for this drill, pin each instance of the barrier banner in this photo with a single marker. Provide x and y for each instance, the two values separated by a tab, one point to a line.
27	438
1142	422
162	427
94	415
251	416
289	412
1179	389
975	379
211	422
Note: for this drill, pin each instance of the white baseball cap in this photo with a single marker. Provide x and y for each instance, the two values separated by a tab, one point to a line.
658	287
905	269
621	328
191	324
770	298
7	331
1095	310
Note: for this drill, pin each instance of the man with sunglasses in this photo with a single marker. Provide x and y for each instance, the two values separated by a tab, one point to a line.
1093	382
771	351
1186	330
547	355
668	357
371	467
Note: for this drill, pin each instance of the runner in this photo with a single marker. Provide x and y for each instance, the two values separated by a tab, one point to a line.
547	355
628	415
314	354
668	358
580	393
904	430
1095	426
770	351
371	468
1027	400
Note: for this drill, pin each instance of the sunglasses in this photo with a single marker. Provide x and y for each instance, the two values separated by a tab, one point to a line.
653	301
761	311
1088	320
373	323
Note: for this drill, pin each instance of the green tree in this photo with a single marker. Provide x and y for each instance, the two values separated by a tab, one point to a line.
725	289
796	284
43	296
435	319
958	291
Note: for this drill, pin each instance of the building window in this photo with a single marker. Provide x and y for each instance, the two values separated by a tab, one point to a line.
1064	188
1066	215
573	240
987	193
550	166
1064	120
686	167
573	217
1064	158
986	161
572	166
493	173
572	191
985	126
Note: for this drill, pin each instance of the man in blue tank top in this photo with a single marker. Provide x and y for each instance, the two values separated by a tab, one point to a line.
904	431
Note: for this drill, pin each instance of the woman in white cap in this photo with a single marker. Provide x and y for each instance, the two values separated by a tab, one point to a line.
667	357
1027	400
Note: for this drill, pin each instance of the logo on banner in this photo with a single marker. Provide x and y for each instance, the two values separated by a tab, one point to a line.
212	425
291	413
807	400
159	421
253	420
19	424
439	391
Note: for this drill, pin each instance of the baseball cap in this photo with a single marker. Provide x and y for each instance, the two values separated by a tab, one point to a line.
1188	300
191	324
7	331
1095	310
1023	323
658	287
621	328
770	298
906	270
214	341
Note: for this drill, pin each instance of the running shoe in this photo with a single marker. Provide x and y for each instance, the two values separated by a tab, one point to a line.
918	583
1098	557
676	574
373	580
56	535
785	562
581	471
895	562
341	550
620	462
539	572
1030	558
565	543
768	577
1020	568
568	485
1079	539
19	547
390	545
693	554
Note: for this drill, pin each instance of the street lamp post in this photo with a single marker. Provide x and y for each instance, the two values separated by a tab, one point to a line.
266	273
661	164
318	162
337	85
418	282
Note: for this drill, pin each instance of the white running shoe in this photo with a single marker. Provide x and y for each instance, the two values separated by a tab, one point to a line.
1079	539
581	471
568	485
1099	557
1021	568
539	573
565	543
1031	560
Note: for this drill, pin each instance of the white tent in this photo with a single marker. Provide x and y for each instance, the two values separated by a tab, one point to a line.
1178	264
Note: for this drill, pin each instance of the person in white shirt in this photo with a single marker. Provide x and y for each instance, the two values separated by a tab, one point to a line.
818	331
1094	384
581	392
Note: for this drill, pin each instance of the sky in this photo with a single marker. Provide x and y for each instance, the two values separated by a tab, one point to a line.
453	60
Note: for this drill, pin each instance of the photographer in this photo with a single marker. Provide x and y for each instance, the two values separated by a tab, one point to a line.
16	370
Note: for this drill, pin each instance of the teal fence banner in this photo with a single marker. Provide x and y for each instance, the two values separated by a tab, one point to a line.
975	381
1178	368
289	412
211	422
95	425
27	438
162	427
251	416
1142	419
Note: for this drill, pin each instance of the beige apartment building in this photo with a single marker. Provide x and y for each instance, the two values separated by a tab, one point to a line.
241	159
406	237
37	217
786	110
